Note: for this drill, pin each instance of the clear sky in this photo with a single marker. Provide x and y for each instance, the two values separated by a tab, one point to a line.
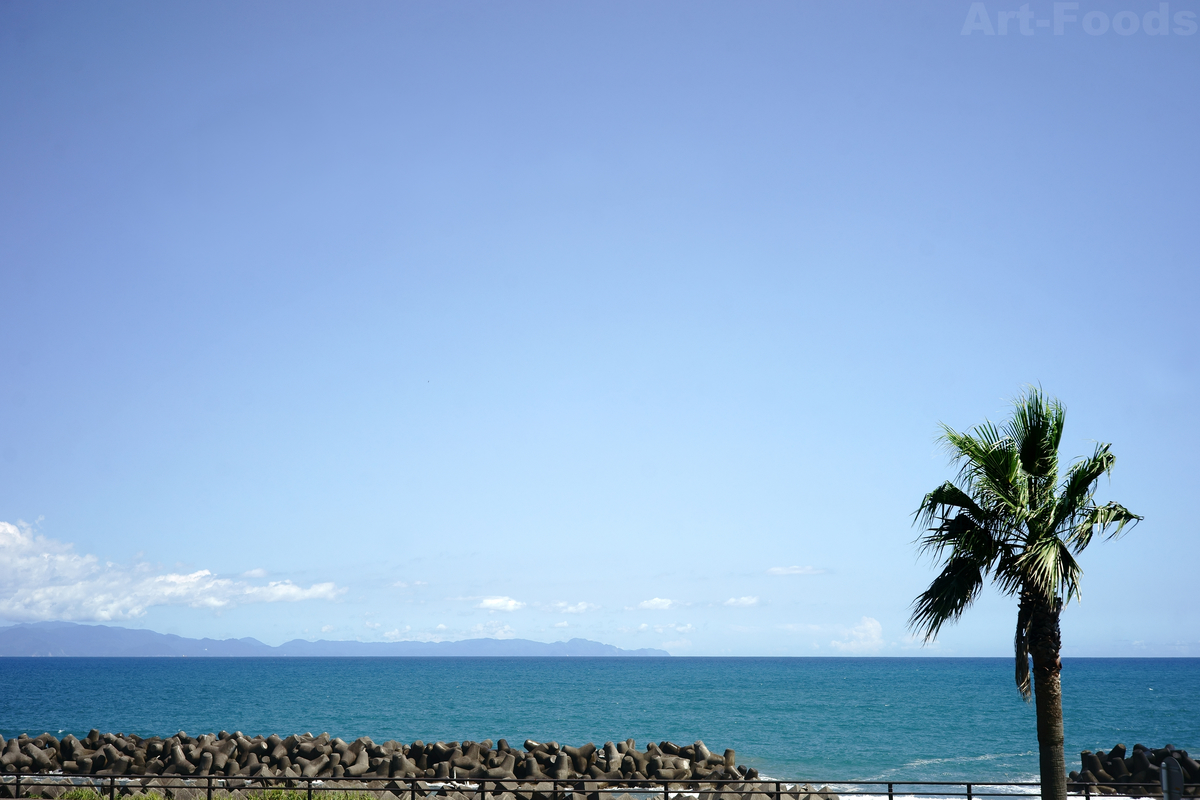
631	321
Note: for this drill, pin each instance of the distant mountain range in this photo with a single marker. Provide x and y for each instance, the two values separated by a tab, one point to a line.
68	639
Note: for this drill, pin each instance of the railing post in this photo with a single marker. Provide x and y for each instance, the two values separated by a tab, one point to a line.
968	791
17	788
310	780
210	787
1087	789
891	793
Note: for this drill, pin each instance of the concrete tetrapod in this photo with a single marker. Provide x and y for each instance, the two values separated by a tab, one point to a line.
228	755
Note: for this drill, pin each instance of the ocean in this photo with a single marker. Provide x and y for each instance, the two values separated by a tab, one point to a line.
812	719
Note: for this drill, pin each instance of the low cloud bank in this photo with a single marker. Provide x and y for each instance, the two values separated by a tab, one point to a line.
44	579
865	637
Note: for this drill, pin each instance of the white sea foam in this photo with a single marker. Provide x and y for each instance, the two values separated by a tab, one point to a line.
921	765
920	762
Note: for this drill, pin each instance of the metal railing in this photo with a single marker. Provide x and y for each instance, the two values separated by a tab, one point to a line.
112	786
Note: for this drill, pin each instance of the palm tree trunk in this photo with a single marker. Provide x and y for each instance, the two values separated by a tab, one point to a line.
1045	642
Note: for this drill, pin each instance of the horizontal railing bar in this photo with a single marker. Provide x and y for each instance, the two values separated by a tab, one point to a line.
560	781
32	779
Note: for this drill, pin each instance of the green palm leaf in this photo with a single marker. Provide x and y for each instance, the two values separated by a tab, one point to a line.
1006	518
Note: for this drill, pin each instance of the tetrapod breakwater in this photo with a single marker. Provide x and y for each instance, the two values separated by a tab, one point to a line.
1135	773
232	766
308	756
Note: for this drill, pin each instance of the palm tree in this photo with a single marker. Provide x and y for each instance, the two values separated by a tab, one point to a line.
1009	518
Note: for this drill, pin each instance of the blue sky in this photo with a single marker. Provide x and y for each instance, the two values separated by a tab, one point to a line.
629	321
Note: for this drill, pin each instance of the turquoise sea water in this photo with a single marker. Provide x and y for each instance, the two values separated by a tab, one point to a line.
821	719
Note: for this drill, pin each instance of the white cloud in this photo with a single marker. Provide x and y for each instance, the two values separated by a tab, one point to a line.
561	624
494	629
578	608
43	579
742	602
372	625
656	604
441	627
865	637
500	604
794	570
406	634
257	572
326	628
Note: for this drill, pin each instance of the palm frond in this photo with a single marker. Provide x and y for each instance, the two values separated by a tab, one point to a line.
1048	569
948	596
1006	573
1075	496
936	505
1036	427
1082	477
1021	646
1100	519
965	537
988	465
1005	516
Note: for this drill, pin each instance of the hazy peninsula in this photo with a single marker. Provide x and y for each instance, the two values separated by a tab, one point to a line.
68	639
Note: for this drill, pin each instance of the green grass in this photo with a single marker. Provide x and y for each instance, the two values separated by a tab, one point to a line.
287	794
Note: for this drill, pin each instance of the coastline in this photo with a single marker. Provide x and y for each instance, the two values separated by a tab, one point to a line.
850	719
